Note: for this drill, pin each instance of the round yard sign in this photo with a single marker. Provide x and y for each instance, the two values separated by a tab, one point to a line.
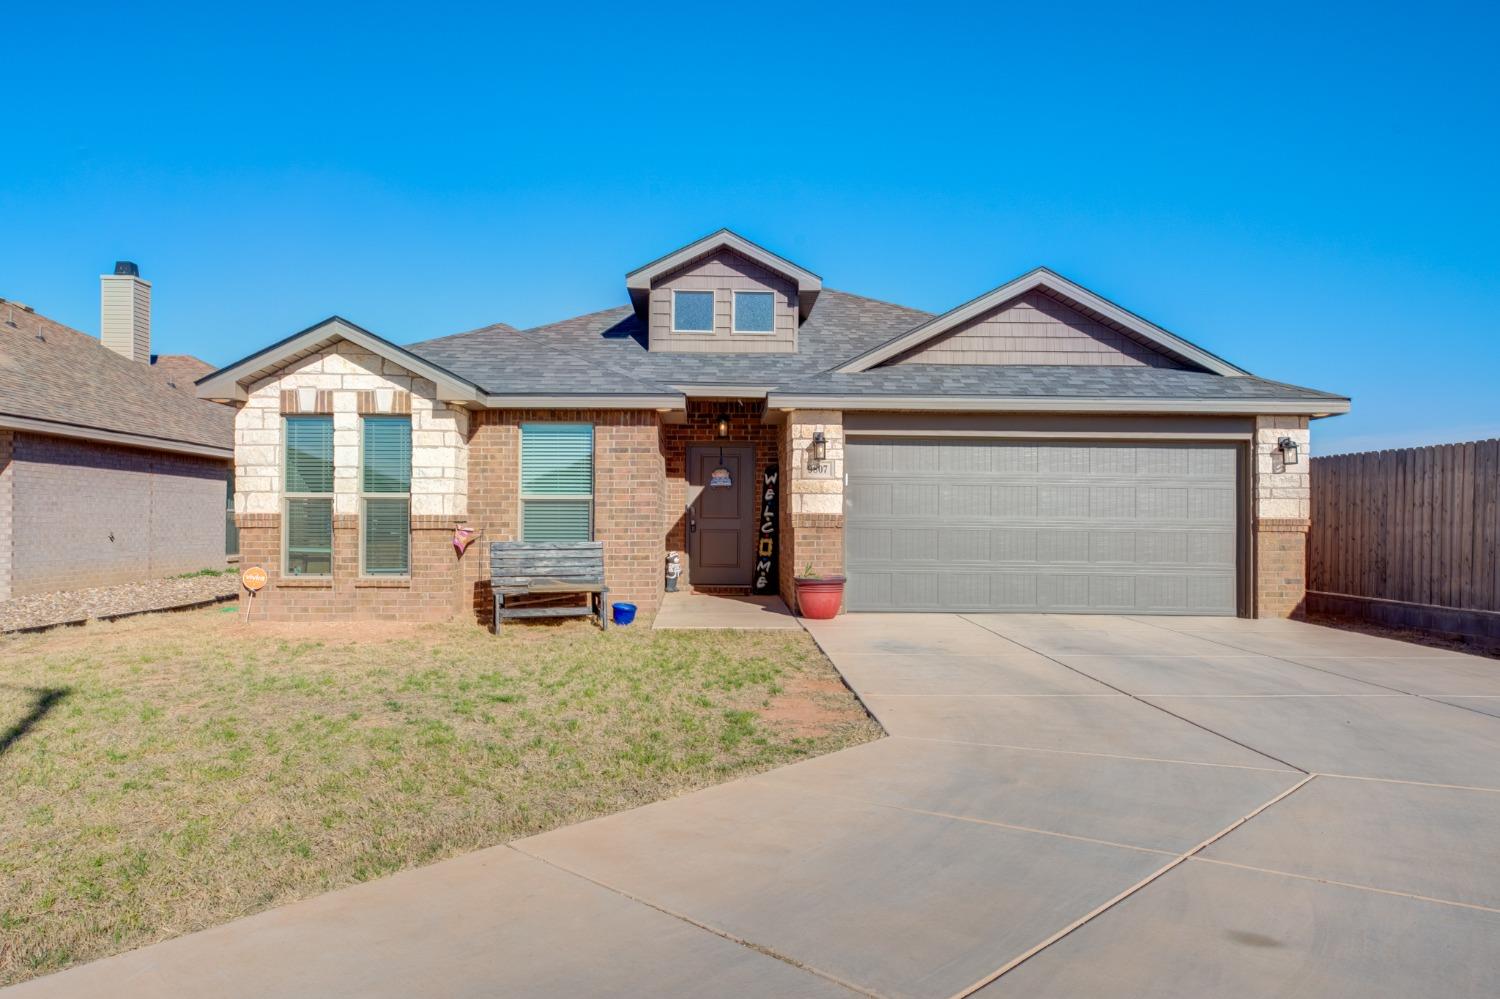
253	578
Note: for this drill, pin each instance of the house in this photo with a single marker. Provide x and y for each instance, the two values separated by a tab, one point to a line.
111	468
1038	448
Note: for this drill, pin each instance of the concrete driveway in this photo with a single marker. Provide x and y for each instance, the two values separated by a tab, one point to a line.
1067	806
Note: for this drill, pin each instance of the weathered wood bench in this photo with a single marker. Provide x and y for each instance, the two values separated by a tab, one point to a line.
525	568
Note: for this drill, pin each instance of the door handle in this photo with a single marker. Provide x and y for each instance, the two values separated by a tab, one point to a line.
692	525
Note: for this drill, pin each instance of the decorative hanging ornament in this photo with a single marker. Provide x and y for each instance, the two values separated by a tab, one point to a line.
720	478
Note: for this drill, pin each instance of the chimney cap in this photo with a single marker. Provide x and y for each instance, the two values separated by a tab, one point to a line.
126	267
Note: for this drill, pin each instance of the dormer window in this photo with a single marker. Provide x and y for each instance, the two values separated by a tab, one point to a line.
722	295
692	312
754	312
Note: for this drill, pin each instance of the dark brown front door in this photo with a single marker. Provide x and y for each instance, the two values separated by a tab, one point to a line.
721	521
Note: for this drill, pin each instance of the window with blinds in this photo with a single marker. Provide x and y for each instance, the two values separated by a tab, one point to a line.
557	482
385	496
307	517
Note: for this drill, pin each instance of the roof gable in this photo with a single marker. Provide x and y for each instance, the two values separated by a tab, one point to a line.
639	281
1057	287
229	383
1037	328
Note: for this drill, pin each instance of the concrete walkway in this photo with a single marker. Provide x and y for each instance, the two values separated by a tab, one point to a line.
1066	807
685	609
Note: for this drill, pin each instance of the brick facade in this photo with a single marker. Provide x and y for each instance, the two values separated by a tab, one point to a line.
629	498
344	382
470	465
6	514
430	594
745	427
1281	511
76	513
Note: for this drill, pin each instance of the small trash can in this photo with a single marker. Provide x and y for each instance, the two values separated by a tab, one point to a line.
624	613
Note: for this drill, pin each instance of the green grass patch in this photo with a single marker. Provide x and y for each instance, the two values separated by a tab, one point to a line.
166	773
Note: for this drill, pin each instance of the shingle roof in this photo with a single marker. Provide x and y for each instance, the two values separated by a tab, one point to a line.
611	345
181	370
605	352
1053	381
54	373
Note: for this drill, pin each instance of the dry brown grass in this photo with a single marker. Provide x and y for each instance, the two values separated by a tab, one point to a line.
168	773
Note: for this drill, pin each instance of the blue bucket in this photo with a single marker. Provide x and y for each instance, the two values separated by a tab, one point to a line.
624	613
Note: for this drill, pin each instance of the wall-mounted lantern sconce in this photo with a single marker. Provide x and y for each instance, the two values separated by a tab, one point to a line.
723	427
1288	449
817	451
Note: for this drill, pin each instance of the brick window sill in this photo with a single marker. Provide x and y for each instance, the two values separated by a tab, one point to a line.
383	582
305	583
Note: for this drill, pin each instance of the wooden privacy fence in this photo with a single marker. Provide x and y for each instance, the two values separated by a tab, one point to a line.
1409	537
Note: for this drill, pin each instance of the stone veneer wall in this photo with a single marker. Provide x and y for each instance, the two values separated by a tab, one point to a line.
629	499
745	427
439	497
1282	508
812	499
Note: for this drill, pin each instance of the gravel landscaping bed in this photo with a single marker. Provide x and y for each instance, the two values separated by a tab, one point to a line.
42	610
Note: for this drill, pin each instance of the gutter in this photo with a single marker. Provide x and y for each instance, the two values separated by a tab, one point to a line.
596	401
1052	404
98	436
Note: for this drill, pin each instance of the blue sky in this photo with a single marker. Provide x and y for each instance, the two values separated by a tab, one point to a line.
1308	192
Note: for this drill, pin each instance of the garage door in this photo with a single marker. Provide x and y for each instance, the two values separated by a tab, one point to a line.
976	525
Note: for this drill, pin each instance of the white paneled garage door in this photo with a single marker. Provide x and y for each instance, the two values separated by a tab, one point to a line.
989	525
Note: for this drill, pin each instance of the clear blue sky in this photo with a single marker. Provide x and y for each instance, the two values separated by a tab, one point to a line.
1309	192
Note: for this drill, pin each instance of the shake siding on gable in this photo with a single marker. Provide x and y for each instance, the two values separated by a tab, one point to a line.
723	273
1037	329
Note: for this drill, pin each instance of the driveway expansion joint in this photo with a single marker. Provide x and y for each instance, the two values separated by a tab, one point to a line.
1434	698
1345	884
953	816
705	927
1283	769
1088	917
1142	700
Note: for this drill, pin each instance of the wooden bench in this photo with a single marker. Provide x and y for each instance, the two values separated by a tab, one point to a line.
524	568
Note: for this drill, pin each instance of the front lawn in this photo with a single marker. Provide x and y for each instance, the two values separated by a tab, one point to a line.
163	774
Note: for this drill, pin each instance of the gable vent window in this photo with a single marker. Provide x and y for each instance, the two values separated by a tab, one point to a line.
754	312
557	482
692	312
308	517
385	496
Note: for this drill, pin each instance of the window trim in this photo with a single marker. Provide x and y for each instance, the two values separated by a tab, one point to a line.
365	497
523	498
287	496
734	312
712	310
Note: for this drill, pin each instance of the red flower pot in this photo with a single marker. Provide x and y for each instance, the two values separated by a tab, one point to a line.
819	598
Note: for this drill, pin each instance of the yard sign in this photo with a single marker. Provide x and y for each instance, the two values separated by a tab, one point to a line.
252	579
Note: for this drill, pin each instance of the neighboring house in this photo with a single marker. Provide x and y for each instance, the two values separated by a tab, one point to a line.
111	468
1036	449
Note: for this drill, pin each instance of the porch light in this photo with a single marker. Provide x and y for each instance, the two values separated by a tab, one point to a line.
817	451
723	426
1288	450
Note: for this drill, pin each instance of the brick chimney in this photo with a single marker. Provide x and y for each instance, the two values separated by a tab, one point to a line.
125	312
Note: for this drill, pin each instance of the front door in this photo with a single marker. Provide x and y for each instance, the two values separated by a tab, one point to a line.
721	519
